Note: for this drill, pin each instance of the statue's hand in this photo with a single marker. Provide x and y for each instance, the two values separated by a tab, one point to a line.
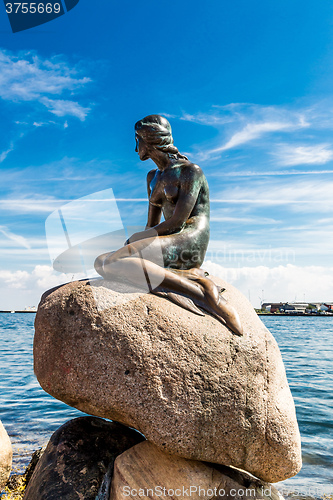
133	238
142	235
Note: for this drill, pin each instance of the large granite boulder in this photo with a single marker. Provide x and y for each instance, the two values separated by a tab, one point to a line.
6	456
79	455
169	476
190	385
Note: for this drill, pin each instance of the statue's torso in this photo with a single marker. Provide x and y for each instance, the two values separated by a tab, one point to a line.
165	190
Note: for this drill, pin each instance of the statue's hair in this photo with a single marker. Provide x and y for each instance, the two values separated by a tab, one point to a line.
156	131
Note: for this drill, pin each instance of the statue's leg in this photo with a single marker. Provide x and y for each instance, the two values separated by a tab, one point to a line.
99	262
127	262
141	271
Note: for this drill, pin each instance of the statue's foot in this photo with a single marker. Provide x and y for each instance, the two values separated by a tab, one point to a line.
230	316
213	302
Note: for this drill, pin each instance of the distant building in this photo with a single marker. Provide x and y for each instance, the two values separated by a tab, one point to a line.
284	307
272	306
297	307
326	306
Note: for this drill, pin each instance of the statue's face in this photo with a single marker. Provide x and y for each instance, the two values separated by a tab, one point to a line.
141	148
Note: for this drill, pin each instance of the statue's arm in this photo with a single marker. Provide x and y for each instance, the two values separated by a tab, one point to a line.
154	216
190	185
154	212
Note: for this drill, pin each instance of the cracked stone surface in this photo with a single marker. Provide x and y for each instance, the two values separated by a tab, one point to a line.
186	382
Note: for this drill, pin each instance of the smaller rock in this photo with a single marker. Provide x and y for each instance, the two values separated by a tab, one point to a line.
77	458
146	472
35	457
6	456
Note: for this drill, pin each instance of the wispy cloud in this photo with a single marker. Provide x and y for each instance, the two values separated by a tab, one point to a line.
31	205
16	238
26	77
317	154
274	173
243	220
304	195
314	195
5	153
241	124
251	132
212	119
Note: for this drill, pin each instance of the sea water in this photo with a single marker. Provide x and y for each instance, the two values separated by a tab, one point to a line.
29	415
306	343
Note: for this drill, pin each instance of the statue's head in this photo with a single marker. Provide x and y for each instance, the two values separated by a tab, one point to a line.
155	132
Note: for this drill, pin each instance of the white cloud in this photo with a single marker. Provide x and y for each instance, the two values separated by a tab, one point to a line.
20	240
21	288
41	278
29	78
44	277
317	154
15	279
280	283
60	107
250	132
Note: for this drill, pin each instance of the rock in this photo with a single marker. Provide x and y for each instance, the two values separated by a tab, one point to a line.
77	457
6	456
35	457
17	483
186	382
145	471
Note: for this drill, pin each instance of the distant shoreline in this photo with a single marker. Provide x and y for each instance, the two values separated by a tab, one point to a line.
19	312
259	314
297	314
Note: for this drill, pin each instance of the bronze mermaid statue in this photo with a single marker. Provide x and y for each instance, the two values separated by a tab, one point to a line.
172	251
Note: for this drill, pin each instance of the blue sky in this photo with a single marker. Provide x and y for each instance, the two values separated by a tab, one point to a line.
247	87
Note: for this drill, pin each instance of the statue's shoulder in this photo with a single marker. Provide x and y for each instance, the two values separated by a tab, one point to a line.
192	169
151	174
